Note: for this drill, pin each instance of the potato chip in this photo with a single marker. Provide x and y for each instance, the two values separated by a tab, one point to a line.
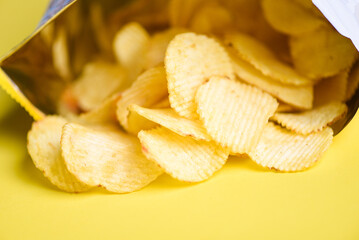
234	113
322	53
104	114
98	81
289	17
191	60
181	11
45	151
158	46
353	82
60	54
183	158
168	118
130	45
110	159
258	55
149	88
313	120
283	150
211	19
331	89
297	96
137	123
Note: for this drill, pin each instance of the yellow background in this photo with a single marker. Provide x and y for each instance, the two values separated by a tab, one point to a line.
243	201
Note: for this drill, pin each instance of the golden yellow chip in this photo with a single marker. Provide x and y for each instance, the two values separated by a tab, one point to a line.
331	89
234	113
211	19
353	82
137	123
98	81
158	46
168	118
181	11
149	88
60	54
313	120
182	157
110	159
289	17
283	150
131	45
297	96
106	113
45	151
263	59
322	53
191	60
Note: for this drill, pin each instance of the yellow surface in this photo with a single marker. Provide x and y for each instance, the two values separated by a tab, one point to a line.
243	201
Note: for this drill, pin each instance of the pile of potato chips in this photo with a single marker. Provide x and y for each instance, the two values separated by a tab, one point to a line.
183	84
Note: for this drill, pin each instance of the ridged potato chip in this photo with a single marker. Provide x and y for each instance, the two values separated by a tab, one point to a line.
234	113
287	16
298	96
137	123
110	159
263	59
353	82
191	60
183	158
168	118
322	53
104	114
130	46
98	81
211	19
331	89
60	54
158	46
45	151
283	150
313	120
149	88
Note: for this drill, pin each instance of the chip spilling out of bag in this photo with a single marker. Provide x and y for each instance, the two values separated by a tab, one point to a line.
176	87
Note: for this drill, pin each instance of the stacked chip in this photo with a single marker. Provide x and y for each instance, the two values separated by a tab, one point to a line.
181	100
